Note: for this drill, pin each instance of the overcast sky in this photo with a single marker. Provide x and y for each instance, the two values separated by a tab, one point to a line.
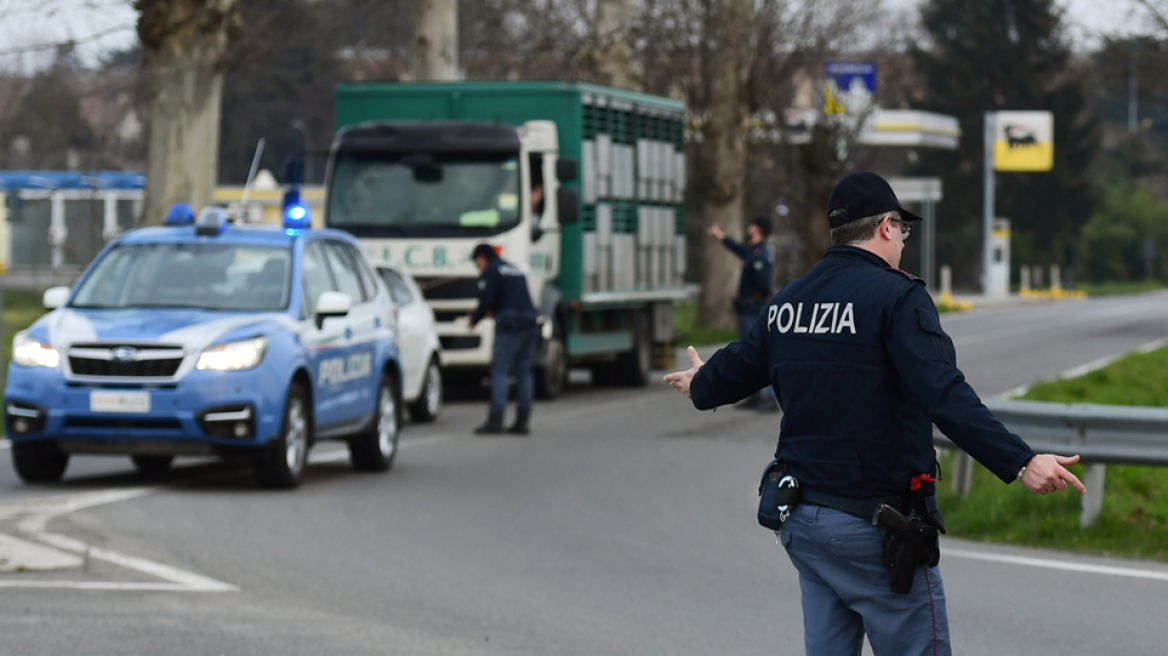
103	25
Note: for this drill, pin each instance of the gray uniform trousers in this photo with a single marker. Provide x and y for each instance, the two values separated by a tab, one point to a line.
846	595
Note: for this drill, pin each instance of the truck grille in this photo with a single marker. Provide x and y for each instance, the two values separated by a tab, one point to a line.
448	288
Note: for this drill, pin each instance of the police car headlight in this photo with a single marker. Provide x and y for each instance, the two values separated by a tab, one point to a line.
31	353
233	356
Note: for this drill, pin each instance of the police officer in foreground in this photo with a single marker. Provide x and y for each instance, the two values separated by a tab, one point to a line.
754	288
856	353
503	294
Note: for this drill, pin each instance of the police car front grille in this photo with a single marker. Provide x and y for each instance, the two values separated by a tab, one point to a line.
448	288
142	368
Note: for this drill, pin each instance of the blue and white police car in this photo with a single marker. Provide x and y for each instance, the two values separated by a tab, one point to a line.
202	337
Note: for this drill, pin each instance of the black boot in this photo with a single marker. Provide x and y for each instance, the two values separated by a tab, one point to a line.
494	425
520	425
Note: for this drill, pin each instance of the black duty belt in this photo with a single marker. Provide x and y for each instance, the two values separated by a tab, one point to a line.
863	508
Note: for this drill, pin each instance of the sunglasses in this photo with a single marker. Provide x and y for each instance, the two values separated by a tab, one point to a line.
905	226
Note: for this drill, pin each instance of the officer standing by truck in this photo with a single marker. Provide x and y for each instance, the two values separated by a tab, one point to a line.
503	295
754	289
857	355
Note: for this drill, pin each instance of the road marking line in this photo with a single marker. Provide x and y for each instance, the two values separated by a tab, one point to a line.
1084	369
97	585
37	512
1063	565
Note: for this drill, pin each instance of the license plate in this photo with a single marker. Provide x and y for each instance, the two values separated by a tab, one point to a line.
119	401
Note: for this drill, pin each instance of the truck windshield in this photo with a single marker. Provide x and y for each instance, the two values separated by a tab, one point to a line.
379	195
204	276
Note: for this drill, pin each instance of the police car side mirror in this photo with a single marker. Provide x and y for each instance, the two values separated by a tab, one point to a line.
55	297
332	304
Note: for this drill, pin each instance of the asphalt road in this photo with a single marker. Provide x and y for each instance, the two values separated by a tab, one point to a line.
623	525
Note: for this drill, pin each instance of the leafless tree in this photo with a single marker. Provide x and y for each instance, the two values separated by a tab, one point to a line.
185	43
436	40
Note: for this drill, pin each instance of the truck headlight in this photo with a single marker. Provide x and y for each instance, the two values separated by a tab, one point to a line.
233	356
31	353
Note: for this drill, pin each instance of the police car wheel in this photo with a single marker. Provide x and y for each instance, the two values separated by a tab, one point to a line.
39	462
429	402
375	450
152	465
282	463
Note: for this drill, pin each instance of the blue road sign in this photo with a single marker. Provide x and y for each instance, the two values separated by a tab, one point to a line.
846	74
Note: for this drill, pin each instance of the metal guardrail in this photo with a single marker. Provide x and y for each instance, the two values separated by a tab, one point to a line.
1099	434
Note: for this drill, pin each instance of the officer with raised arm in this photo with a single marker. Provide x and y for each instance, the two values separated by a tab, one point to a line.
503	294
754	288
856	353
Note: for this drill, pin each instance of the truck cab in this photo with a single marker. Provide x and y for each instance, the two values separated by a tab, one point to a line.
580	186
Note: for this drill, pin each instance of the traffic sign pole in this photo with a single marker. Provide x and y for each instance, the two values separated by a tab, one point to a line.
987	228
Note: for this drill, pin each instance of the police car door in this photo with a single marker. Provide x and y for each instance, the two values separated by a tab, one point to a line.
326	342
355	382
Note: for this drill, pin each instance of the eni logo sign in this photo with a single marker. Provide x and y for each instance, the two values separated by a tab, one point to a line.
1023	141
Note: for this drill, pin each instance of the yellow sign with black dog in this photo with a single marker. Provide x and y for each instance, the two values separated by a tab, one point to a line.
1023	141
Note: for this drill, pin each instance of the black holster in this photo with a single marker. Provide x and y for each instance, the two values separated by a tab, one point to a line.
909	542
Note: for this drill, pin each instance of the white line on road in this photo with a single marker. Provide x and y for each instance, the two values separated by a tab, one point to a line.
1064	565
35	515
1084	369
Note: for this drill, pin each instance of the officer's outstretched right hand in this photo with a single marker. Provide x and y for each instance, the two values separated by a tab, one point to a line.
681	379
1046	473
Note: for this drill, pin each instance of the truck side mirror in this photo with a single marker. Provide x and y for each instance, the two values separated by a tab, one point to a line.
566	169
568	203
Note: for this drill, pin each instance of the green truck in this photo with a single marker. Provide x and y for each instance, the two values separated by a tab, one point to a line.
580	185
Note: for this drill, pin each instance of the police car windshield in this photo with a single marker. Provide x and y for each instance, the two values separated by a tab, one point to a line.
209	276
426	196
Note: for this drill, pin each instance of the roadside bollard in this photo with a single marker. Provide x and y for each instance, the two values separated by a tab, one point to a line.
1024	279
1056	283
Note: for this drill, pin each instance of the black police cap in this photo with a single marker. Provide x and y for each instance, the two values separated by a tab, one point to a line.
763	223
484	250
860	195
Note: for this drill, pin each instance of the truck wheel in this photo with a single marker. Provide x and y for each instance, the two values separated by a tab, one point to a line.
281	464
152	466
39	462
429	402
631	368
375	450
550	378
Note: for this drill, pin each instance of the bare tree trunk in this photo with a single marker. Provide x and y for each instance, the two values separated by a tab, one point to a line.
613	56
436	40
721	158
186	42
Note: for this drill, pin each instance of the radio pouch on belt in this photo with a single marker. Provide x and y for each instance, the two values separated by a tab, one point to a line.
778	494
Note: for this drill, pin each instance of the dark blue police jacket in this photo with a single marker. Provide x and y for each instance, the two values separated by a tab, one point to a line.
503	291
757	271
862	369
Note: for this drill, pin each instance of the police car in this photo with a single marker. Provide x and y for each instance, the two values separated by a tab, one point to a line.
205	338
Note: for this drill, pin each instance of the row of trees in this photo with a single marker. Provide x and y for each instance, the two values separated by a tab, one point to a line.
266	68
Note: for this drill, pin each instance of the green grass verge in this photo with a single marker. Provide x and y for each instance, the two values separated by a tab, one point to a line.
1134	519
688	333
1113	288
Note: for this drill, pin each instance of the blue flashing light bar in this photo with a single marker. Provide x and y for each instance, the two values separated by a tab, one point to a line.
180	214
296	215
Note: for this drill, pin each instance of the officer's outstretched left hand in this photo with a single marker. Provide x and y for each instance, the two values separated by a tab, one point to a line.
1046	473
681	379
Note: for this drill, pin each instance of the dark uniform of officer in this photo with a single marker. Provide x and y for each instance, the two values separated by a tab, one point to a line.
855	351
503	293
754	287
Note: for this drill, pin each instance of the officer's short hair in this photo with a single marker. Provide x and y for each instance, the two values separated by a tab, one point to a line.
860	230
